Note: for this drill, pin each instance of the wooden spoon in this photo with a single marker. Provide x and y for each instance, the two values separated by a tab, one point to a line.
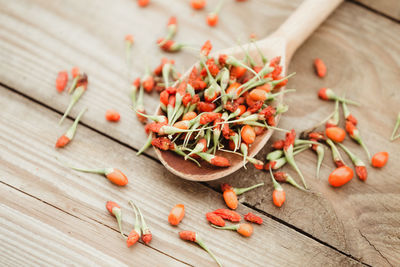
283	42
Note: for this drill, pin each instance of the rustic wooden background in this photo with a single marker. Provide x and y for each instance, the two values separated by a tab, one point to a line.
51	215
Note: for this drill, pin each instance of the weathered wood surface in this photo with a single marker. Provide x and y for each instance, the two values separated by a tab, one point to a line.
30	166
39	38
390	8
33	232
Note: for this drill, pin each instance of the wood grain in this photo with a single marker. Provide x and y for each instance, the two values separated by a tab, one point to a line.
33	232
362	56
28	141
390	8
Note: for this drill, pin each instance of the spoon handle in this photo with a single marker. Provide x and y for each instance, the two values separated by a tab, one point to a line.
307	17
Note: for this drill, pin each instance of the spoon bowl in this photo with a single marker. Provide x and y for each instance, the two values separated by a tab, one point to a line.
283	43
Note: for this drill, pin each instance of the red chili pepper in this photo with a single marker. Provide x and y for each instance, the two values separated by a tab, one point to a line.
379	159
193	237
176	214
61	81
112	115
215	219
250	217
115	210
69	135
230	215
320	67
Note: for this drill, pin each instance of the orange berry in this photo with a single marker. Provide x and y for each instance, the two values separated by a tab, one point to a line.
379	159
129	38
233	89
212	19
198	4
61	81
117	177
245	229
336	134
320	67
340	176
112	115
278	197
176	214
189	116
237	71
143	3
75	71
258	95
248	134
230	199
265	87
62	141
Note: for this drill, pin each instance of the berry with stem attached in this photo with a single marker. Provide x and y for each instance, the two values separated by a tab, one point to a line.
69	135
194	237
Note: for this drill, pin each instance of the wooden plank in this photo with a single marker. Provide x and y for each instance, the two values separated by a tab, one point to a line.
29	164
33	232
390	8
348	46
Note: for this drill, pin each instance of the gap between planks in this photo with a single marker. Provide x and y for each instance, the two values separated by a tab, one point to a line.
157	161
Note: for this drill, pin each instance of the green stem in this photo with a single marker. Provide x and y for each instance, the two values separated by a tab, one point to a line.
229	227
75	97
137	222
277	186
320	153
203	246
396	126
356	160
146	145
290	159
71	131
240	191
263	58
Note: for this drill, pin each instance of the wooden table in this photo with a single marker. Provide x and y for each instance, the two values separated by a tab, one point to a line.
51	215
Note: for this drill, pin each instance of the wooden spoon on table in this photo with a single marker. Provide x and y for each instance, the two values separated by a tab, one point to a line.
283	42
